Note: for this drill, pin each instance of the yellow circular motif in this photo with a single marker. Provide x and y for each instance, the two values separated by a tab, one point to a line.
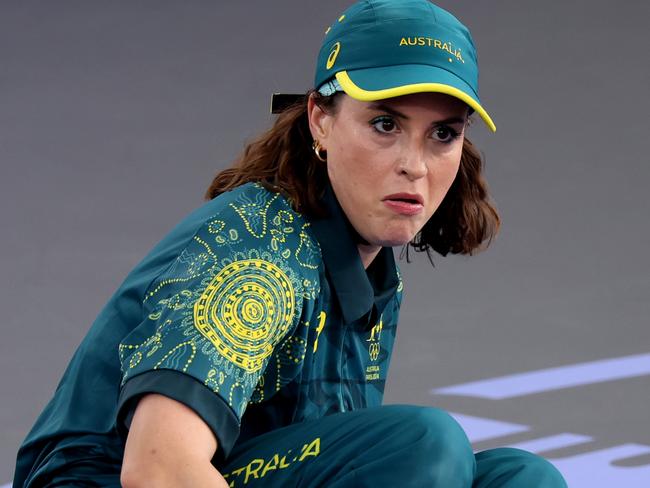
245	311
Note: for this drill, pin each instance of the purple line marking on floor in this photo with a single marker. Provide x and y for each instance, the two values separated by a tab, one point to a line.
552	442
552	378
595	469
480	429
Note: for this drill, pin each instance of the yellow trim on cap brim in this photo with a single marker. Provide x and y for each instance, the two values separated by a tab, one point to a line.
359	93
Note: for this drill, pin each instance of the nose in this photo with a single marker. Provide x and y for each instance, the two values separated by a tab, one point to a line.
413	161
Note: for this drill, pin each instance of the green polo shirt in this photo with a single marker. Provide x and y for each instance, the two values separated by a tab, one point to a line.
248	312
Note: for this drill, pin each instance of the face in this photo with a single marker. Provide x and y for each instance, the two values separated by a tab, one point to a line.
391	162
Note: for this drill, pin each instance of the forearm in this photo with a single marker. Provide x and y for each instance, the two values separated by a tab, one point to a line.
205	476
168	445
179	475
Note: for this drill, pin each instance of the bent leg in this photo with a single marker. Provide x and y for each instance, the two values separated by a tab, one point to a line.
508	467
395	445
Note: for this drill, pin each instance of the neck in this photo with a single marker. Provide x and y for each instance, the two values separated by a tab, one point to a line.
368	253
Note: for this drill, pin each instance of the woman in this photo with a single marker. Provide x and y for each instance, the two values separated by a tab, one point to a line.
251	345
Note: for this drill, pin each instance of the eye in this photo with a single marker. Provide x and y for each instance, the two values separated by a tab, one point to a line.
384	124
444	133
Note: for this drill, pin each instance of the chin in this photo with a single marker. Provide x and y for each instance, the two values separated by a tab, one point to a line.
395	238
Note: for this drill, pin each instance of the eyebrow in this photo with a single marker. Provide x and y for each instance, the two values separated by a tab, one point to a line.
385	108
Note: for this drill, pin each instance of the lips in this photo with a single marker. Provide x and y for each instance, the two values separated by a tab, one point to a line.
413	198
405	203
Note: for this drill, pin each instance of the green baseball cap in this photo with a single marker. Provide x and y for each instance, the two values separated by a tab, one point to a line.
380	49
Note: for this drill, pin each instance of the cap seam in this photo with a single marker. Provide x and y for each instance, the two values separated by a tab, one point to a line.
336	38
372	8
433	11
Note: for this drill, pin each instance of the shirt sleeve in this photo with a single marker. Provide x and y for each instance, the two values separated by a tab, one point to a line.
213	318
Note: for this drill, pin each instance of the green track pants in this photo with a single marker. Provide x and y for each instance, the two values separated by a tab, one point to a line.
389	446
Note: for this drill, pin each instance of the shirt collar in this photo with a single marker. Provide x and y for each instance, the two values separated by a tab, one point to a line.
359	292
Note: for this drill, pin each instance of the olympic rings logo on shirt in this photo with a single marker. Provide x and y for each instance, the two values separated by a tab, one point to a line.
374	350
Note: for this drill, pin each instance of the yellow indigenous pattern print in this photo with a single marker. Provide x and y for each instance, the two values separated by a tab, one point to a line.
224	310
245	311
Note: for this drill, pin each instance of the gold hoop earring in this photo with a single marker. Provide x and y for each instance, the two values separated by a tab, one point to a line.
317	150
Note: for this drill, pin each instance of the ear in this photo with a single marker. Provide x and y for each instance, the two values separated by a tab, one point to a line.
320	122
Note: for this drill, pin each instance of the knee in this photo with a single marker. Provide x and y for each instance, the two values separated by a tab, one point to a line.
438	444
437	427
521	468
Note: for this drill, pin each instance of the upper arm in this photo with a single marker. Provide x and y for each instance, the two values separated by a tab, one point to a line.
215	316
168	444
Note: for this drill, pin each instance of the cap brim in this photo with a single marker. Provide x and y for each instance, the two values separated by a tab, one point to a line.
373	84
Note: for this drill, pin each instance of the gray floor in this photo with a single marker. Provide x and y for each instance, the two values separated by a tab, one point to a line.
115	115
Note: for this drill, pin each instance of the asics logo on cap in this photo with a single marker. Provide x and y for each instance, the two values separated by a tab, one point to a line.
331	59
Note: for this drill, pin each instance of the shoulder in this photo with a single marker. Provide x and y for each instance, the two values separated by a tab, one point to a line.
249	230
256	223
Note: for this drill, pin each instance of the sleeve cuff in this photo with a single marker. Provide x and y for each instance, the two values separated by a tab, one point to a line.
186	389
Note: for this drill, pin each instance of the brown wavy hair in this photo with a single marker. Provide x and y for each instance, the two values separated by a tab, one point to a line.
282	160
